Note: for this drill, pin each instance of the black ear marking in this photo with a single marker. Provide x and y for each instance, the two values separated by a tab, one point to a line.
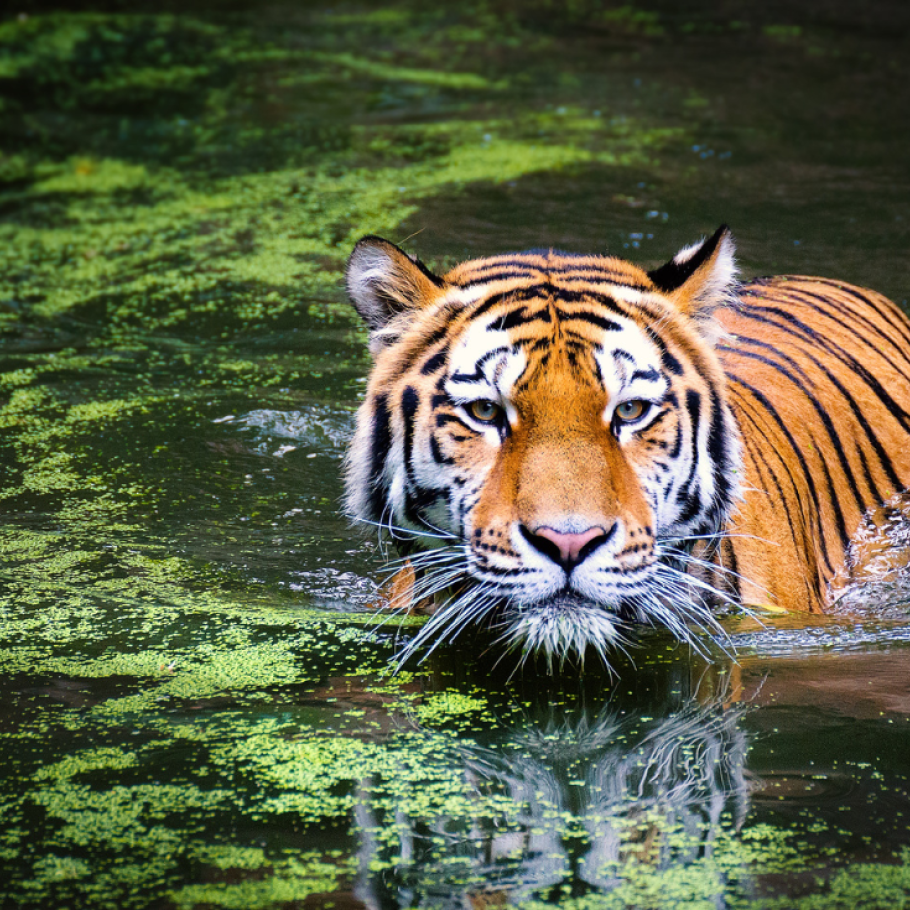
687	262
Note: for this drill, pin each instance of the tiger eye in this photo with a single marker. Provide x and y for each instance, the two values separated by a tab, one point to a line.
484	410
631	410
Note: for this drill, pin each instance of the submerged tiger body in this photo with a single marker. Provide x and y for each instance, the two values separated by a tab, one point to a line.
569	445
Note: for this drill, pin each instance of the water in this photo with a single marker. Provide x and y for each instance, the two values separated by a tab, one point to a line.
197	703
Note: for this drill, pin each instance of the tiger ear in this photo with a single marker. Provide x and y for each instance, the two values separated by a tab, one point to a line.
383	281
700	278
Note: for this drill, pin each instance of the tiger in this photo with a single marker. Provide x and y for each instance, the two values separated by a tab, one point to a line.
566	448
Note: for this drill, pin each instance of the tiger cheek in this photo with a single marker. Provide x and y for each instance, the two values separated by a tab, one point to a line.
633	509
494	511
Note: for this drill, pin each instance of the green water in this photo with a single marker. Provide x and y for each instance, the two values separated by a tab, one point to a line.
197	710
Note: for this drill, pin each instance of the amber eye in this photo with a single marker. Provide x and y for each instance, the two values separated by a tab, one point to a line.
484	410
629	411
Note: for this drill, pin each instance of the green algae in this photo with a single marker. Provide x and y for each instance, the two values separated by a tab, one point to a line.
866	886
381	70
249	235
138	246
293	879
285	772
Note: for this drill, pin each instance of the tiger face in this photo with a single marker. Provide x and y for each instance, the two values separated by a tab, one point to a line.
546	436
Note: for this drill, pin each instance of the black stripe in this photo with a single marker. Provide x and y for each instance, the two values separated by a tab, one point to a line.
437	361
889	312
437	335
797	367
510	261
760	460
811	300
719	450
602	322
825	417
505	274
867	473
610	279
686	494
417	498
515	296
731	577
521	316
436	452
677	443
587	296
758	454
506	269
443	419
380	445
883	457
410	401
507	572
799	329
545	291
669	362
574	342
650	374
856	318
477	375
810	483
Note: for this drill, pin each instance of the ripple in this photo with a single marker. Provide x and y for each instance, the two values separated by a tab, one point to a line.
315	428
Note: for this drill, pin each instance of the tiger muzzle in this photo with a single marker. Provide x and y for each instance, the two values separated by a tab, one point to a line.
568	549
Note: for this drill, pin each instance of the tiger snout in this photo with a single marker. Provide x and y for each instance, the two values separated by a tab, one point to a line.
567	549
574	509
562	517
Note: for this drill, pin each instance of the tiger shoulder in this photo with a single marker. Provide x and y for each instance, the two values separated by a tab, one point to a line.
567	446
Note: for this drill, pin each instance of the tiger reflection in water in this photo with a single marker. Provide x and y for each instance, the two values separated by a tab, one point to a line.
584	801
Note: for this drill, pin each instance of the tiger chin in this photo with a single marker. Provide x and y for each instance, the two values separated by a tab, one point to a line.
568	446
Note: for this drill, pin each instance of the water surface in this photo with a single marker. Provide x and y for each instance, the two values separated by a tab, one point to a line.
198	709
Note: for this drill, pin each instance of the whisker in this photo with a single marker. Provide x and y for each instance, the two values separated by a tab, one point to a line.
395	530
703	617
718	536
690	580
688	559
452	615
434	563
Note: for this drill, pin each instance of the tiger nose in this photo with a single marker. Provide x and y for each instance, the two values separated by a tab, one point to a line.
567	549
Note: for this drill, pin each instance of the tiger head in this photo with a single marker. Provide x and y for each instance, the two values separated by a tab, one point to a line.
546	435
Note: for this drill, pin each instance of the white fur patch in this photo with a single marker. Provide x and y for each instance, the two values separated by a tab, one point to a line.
497	374
617	370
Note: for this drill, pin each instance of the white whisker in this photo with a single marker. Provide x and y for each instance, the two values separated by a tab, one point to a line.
398	532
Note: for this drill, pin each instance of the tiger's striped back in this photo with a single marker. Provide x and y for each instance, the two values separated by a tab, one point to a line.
818	377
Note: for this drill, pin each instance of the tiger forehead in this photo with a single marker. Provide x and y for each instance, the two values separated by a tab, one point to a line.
552	267
528	338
